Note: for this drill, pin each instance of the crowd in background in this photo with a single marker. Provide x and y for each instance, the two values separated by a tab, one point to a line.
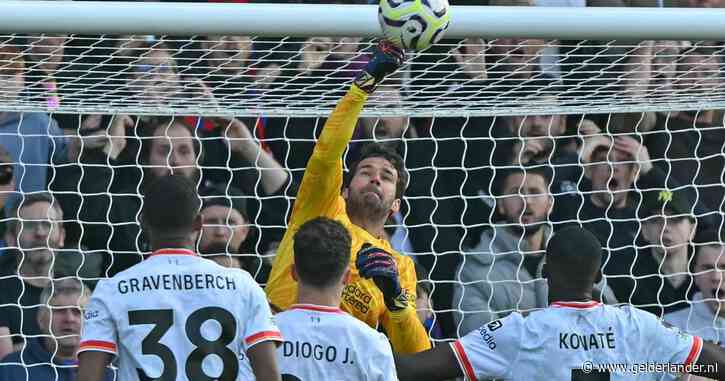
484	193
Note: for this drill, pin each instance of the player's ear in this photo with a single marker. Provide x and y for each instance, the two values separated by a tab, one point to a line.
293	272
198	223
598	277
345	192
347	276
395	208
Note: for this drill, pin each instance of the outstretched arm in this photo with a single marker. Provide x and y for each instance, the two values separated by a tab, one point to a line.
319	192
436	364
320	189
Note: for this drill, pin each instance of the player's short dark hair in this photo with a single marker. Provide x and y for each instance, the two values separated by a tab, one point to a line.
170	204
576	252
573	241
382	151
321	251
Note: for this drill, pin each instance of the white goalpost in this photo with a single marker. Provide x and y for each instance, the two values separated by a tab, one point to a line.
612	103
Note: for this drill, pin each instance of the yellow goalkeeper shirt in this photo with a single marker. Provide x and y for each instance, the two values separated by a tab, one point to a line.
319	195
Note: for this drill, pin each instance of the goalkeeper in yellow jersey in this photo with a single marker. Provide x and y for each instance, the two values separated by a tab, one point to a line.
382	286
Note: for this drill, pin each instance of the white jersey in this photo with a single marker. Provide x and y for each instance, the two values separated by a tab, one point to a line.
575	341
177	316
699	320
325	343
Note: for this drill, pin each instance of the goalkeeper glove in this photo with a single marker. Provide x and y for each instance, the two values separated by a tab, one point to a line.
376	263
386	59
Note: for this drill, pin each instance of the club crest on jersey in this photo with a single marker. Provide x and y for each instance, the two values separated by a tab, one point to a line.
494	325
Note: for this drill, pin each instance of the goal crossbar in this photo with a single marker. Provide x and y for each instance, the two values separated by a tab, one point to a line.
354	20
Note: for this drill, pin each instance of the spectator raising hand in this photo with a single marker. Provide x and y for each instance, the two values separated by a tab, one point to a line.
630	147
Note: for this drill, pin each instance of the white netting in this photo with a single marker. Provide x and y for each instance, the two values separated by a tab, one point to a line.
94	117
297	77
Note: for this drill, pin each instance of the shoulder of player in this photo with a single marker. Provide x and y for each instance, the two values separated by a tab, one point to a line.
363	332
634	318
676	317
511	323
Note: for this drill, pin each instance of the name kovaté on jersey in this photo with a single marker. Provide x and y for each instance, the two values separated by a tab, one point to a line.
590	341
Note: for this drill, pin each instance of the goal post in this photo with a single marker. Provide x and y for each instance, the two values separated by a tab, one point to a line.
98	84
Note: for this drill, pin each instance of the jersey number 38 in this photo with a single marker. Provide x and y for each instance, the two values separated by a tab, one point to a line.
163	319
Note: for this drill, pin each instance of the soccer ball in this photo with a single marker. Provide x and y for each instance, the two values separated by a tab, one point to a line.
414	24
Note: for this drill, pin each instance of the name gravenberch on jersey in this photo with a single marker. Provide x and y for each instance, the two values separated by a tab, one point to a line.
176	282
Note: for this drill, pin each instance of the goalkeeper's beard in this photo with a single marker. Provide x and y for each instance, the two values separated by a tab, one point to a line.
361	207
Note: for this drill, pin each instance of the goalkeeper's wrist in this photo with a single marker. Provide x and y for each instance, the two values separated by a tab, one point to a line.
402	315
366	82
398	303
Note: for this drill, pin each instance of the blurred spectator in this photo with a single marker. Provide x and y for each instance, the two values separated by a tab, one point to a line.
35	235
223	256
687	144
7	186
44	59
153	77
238	67
705	316
666	55
657	277
33	139
700	3
231	157
171	148
52	355
81	186
501	268
226	228
449	162
604	200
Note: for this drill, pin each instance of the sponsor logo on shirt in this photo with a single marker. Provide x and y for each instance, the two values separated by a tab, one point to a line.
487	337
90	315
356	297
494	325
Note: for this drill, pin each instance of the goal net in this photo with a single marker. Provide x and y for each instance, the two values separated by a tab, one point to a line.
505	140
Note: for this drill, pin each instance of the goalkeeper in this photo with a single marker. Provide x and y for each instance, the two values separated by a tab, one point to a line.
382	287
